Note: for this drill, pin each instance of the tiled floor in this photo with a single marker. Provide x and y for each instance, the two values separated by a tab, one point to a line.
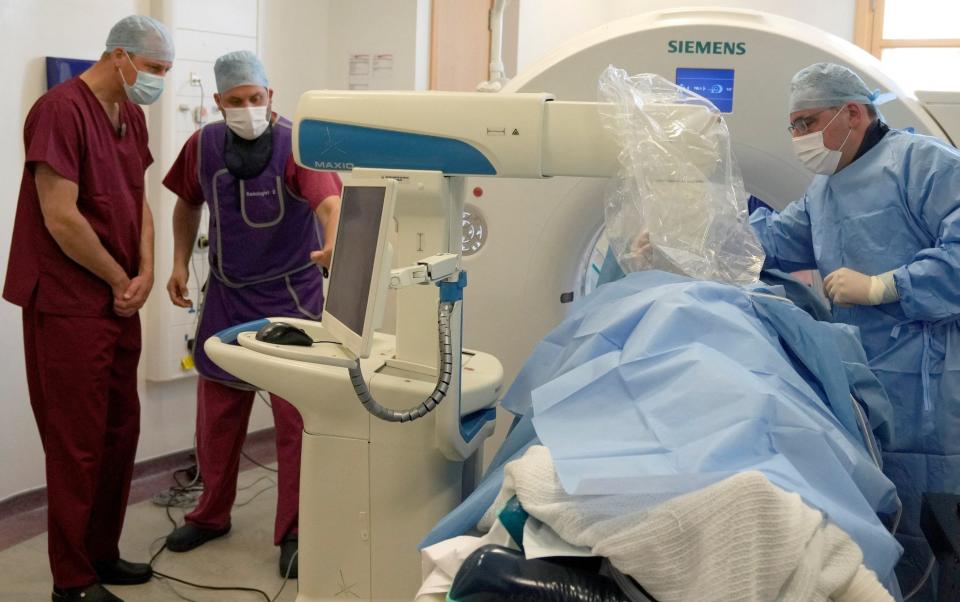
246	557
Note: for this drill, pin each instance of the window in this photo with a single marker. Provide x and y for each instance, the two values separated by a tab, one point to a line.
918	41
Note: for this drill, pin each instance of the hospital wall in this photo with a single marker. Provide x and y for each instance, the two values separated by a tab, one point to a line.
294	63
310	42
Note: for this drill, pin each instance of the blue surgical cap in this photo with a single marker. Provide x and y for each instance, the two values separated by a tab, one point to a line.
143	36
240	68
829	85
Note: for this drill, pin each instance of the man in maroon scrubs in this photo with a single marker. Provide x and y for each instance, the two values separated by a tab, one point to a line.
81	266
265	249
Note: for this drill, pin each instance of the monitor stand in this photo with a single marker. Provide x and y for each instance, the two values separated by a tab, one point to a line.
369	490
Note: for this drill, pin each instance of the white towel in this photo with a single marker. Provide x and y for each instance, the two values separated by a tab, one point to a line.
741	539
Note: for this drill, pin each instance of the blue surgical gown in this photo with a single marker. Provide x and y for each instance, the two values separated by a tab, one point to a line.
661	384
895	208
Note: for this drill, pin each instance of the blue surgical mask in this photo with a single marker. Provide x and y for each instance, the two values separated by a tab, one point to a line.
145	89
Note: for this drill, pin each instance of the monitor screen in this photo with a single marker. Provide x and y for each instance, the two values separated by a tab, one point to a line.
354	255
716	85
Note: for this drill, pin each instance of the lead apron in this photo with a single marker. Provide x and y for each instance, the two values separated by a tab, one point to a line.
261	236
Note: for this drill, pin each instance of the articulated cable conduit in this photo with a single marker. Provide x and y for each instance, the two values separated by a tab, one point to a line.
439	392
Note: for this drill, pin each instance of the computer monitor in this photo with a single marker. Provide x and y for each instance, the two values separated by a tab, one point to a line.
360	267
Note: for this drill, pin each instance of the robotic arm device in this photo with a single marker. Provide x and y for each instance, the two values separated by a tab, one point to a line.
427	142
464	134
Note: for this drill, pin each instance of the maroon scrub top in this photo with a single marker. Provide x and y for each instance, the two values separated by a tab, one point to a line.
183	178
68	129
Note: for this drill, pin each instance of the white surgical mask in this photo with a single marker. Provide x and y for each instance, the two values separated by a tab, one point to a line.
815	155
146	89
248	122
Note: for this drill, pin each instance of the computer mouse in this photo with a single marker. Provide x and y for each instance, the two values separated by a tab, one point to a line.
281	333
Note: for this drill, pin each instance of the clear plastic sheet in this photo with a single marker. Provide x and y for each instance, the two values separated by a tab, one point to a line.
679	203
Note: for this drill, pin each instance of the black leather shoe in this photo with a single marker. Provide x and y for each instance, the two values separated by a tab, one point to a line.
121	572
188	537
91	593
288	556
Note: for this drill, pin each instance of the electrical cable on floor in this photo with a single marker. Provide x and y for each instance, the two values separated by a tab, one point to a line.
215	588
186	495
169	586
286	576
193	484
257	494
245	487
218	588
252	461
193	480
182	495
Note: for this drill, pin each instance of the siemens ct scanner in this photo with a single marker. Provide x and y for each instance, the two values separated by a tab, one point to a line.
541	241
531	243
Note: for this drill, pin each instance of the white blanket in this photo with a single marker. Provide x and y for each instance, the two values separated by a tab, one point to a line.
742	539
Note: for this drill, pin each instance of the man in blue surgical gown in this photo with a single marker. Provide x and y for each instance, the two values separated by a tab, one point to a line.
881	222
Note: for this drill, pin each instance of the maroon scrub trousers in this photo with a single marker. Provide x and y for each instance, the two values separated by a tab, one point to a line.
222	416
82	377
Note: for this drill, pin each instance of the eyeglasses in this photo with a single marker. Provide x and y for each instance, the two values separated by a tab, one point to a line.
801	125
